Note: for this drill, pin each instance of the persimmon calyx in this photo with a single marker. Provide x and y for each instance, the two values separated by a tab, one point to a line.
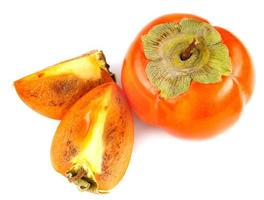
83	177
179	53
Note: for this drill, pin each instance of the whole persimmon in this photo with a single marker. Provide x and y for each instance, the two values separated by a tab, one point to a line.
187	76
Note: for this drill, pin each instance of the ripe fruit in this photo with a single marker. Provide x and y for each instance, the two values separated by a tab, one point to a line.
188	77
93	143
52	91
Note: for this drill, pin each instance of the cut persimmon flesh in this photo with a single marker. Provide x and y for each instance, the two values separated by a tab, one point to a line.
93	143
52	91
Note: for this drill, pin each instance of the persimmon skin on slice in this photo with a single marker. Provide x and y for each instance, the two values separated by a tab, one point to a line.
104	108
52	91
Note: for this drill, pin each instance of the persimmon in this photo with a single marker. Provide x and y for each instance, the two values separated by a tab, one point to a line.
187	76
52	91
93	143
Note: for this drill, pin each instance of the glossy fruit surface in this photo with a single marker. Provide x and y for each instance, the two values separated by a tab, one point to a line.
201	109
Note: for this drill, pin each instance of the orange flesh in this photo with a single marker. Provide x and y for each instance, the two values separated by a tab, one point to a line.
54	90
76	129
53	96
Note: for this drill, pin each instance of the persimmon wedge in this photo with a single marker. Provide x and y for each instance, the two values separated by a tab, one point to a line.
52	91
93	143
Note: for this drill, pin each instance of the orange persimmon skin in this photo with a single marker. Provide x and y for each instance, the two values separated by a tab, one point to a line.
118	135
205	109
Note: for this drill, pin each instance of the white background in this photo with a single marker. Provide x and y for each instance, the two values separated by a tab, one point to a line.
36	34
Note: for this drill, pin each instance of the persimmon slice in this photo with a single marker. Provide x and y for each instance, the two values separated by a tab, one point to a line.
52	91
93	143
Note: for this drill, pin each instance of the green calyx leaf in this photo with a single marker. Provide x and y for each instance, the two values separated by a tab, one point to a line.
179	53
